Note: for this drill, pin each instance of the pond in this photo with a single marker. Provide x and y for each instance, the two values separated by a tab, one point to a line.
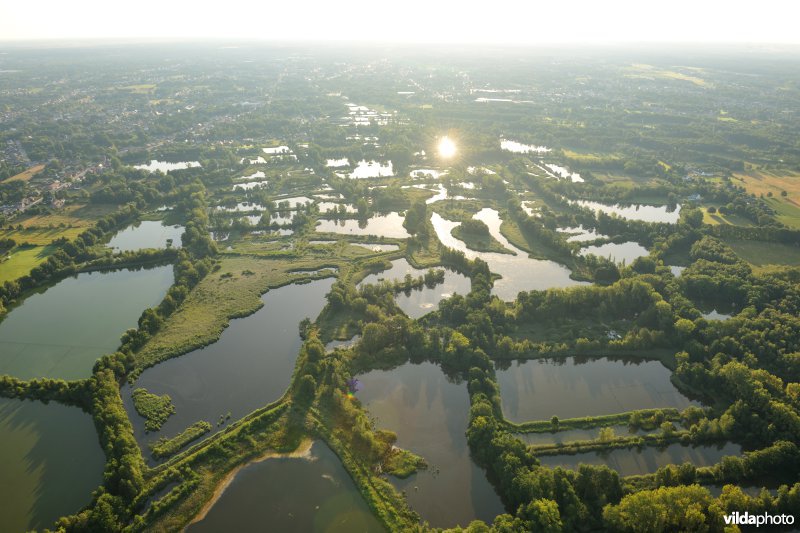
389	225
376	247
625	252
427	173
146	234
311	493
429	414
293	201
337	163
62	331
572	435
519	148
519	272
573	387
645	213
246	186
52	461
631	462
580	234
419	302
324	207
250	365
677	271
164	166
716	315
369	169
242	207
563	173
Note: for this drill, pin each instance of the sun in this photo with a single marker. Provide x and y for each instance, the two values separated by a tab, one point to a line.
447	148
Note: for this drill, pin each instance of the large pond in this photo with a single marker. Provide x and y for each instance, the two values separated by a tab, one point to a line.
625	252
147	234
60	333
369	169
570	387
164	166
520	148
52	461
429	414
250	365
389	225
519	272
573	435
313	493
419	302
630	462
646	213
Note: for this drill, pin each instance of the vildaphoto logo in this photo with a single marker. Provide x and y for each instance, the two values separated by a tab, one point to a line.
765	519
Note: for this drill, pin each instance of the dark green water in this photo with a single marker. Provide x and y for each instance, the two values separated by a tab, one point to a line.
61	332
429	413
250	365
50	462
573	387
313	494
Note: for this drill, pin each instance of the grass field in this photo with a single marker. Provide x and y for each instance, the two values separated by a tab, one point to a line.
26	175
232	291
44	229
22	260
718	218
760	253
760	182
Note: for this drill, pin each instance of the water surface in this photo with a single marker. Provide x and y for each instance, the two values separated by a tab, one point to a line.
645	213
390	225
419	302
147	234
250	365
429	414
519	272
292	494
570	387
164	166
648	460
625	252
51	462
62	331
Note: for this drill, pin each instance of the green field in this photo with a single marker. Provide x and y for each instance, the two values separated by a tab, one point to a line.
22	260
766	253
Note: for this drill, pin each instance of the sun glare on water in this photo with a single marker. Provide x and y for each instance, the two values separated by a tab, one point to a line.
447	148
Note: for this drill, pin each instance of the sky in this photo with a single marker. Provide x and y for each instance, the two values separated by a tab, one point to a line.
408	21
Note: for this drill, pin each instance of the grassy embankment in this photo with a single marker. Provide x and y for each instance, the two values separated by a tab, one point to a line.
232	291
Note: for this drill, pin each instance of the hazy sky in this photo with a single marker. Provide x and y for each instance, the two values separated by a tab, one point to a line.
509	21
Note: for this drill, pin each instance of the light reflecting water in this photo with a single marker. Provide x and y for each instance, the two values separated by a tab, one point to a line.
369	169
520	148
572	387
519	272
164	166
572	435
646	213
419	302
625	252
429	415
146	234
390	225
